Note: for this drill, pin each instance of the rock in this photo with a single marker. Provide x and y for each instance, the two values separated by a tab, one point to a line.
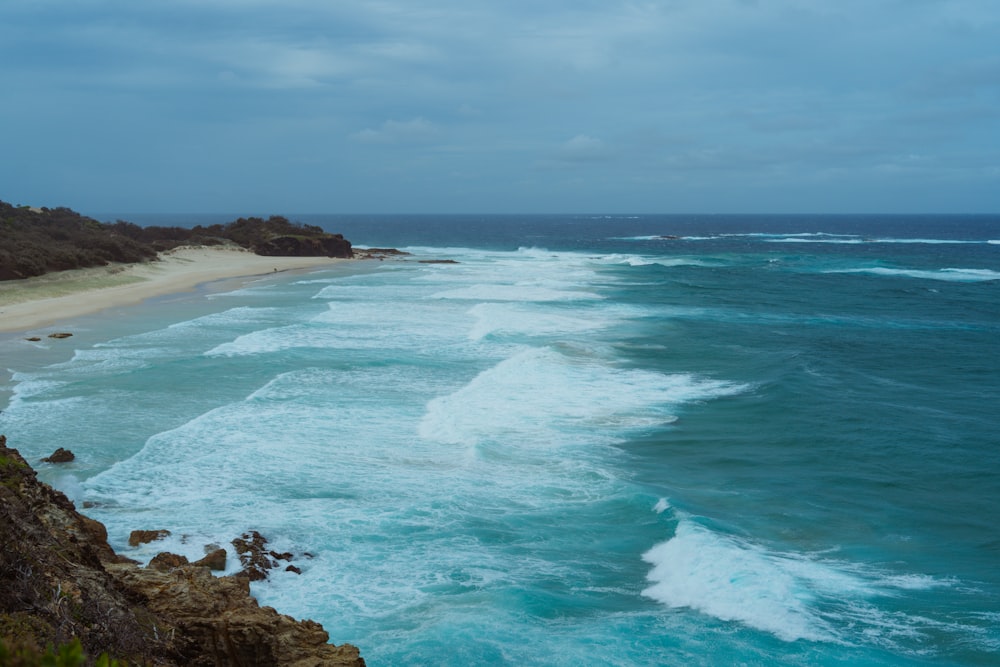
95	534
53	585
59	579
137	537
255	560
33	339
325	245
166	561
215	560
378	253
60	335
224	625
292	568
60	456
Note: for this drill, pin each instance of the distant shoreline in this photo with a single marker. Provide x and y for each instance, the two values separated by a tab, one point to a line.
46	300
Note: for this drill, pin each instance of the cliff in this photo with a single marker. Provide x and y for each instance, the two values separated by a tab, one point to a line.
60	579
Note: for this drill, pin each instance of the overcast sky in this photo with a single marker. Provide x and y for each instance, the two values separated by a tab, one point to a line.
508	106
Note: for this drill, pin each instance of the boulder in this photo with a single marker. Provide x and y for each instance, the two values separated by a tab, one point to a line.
254	557
60	456
214	560
166	561
137	537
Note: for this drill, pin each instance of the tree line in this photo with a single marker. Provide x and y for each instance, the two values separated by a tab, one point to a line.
35	241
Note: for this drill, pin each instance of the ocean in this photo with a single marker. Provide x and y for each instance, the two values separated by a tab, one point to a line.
582	440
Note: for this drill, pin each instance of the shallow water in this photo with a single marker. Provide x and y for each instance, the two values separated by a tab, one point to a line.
768	441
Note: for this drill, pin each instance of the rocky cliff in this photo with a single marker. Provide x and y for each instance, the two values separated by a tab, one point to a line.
59	579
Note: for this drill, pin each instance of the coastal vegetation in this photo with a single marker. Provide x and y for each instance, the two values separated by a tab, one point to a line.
36	241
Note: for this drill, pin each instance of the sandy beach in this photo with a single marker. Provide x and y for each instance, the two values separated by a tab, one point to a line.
45	300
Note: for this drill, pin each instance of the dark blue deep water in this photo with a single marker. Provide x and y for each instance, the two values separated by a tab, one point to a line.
592	440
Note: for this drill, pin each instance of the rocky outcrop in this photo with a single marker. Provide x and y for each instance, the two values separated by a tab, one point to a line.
53	585
60	579
326	245
378	253
60	456
221	624
257	559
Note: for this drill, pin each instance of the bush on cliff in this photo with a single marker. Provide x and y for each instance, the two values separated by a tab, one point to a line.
68	655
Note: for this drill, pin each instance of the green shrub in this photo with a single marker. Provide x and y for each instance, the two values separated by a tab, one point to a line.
69	654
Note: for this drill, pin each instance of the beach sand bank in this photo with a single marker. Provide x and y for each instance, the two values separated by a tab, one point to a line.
45	300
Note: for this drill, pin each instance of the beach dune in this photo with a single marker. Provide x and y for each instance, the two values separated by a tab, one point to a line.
45	300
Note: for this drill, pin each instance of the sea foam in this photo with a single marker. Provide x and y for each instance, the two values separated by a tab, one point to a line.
948	274
546	397
793	596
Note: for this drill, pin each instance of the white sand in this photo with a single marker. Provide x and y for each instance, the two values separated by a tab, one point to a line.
45	300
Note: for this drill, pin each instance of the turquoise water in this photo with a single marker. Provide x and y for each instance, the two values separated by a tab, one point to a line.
766	441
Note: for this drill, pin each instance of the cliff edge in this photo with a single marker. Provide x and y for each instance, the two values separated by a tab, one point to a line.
60	579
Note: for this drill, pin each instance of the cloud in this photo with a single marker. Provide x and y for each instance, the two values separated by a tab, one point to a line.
643	91
583	148
415	130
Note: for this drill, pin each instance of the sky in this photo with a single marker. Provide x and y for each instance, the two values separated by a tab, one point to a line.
511	106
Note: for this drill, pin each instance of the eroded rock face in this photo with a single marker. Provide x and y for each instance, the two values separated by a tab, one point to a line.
60	579
53	586
223	625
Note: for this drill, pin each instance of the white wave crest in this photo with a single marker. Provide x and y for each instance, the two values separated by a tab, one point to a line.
949	275
791	596
546	398
514	293
733	581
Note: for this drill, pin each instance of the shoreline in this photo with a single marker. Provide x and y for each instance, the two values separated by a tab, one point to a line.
42	301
